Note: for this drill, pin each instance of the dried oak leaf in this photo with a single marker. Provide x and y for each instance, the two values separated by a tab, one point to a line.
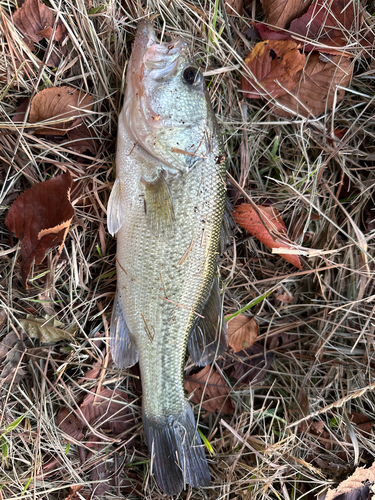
275	67
63	107
47	330
216	392
250	365
242	332
11	349
33	17
40	218
247	218
280	13
356	487
319	82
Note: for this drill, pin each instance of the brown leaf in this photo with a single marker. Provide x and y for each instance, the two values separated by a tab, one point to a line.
285	297
247	218
59	103
280	13
234	6
60	33
275	65
82	139
108	410
11	349
47	330
242	332
363	423
33	17
70	424
330	23
216	393
318	84
40	218
251	364
353	484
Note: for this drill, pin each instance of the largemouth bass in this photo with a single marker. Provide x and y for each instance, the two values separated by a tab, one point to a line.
167	207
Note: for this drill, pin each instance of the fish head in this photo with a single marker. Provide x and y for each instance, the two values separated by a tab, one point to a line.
167	109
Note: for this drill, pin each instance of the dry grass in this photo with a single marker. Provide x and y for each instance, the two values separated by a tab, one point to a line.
323	341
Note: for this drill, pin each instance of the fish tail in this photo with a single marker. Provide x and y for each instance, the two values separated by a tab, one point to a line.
177	453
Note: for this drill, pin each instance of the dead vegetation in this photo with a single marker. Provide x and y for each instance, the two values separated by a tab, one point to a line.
297	401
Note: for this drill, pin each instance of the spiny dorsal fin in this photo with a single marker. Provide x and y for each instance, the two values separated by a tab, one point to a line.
159	203
115	213
205	336
124	350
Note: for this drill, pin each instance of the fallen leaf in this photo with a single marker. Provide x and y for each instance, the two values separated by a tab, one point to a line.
247	218
40	218
11	349
75	493
319	82
35	20
354	488
33	17
280	13
70	424
275	66
285	297
63	107
242	332
19	113
46	330
233	7
330	23
82	139
251	364
216	392
267	33
108	410
363	423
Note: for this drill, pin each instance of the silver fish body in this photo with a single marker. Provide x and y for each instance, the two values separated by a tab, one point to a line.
167	208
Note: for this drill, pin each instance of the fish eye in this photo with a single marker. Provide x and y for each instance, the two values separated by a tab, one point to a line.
192	75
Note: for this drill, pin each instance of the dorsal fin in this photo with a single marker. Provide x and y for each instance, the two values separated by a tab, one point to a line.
205	336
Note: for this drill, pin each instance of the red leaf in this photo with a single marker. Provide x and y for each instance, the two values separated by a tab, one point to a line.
216	392
247	218
275	65
40	218
329	23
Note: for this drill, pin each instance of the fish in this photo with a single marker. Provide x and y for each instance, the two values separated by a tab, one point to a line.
166	208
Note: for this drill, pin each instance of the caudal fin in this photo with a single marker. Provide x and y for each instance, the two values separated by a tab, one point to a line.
177	453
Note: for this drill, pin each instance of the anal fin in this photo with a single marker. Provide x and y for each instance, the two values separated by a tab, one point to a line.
124	349
159	203
206	334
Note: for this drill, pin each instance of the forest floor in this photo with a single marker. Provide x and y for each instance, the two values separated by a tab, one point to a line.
300	414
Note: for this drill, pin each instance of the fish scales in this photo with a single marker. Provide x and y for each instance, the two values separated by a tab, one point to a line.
167	210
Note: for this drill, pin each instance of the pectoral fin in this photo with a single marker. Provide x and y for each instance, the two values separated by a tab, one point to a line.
115	213
159	203
206	334
124	350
